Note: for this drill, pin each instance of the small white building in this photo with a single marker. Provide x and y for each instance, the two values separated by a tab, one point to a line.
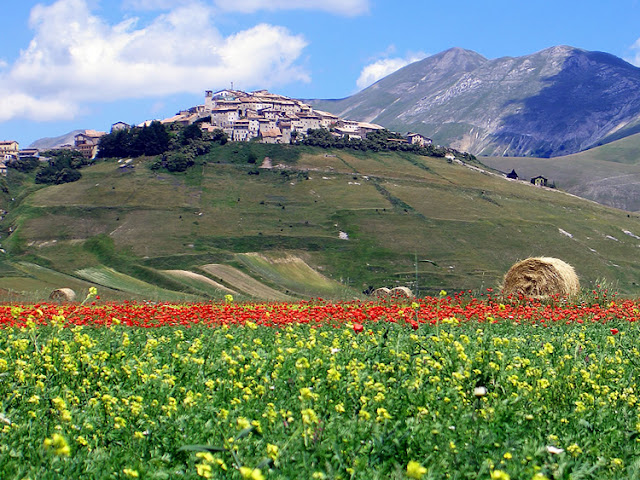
120	126
417	139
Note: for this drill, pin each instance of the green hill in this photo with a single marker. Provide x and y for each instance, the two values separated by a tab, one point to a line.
608	174
320	223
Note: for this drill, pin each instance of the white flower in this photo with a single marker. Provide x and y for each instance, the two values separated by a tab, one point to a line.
554	450
480	391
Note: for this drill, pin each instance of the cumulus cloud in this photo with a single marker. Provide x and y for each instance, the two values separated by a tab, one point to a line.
635	58
154	4
383	67
76	57
339	7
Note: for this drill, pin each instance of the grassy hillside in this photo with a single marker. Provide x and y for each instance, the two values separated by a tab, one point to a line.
609	174
325	223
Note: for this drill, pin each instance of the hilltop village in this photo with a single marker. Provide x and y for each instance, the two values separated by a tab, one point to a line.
258	116
269	118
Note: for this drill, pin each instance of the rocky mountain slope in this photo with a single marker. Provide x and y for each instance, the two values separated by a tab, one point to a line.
54	142
554	102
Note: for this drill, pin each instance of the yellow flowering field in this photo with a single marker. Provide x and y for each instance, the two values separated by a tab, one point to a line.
373	391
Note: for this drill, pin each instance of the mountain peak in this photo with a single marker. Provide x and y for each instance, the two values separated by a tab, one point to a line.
557	101
560	50
457	56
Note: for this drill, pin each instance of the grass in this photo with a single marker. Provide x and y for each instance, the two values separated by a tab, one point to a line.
244	283
201	283
110	278
294	274
609	174
394	207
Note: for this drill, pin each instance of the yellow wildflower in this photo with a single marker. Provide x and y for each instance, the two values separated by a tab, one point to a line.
272	451
58	444
415	470
251	473
500	475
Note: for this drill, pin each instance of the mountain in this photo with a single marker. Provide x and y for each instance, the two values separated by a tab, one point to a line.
326	223
53	142
554	102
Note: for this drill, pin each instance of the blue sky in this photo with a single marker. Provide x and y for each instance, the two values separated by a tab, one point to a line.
75	64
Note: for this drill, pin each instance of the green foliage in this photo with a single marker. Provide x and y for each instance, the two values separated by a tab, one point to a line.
218	136
24	165
63	167
377	141
190	133
149	140
318	401
178	161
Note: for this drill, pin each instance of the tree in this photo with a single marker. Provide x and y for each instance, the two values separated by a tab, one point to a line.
116	144
25	164
178	162
219	136
191	132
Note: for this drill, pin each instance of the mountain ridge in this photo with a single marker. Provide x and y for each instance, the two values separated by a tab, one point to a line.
557	101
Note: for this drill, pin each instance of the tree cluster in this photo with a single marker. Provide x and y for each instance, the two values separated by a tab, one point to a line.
134	142
377	141
24	164
63	166
176	145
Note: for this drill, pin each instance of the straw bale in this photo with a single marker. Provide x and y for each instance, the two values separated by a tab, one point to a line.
402	292
541	277
381	292
63	295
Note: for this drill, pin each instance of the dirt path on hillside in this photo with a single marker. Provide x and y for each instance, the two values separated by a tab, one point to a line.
199	278
244	283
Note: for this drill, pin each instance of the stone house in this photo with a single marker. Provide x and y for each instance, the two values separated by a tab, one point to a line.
273	135
417	139
87	142
28	152
9	149
539	181
120	126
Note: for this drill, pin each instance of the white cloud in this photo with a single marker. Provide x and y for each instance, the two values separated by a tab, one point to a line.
76	57
153	4
635	59
339	7
16	104
386	66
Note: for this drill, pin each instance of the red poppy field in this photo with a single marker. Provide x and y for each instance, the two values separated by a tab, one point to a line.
440	387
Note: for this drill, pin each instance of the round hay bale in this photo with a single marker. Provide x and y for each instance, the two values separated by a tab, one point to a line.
63	295
401	292
381	292
541	277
